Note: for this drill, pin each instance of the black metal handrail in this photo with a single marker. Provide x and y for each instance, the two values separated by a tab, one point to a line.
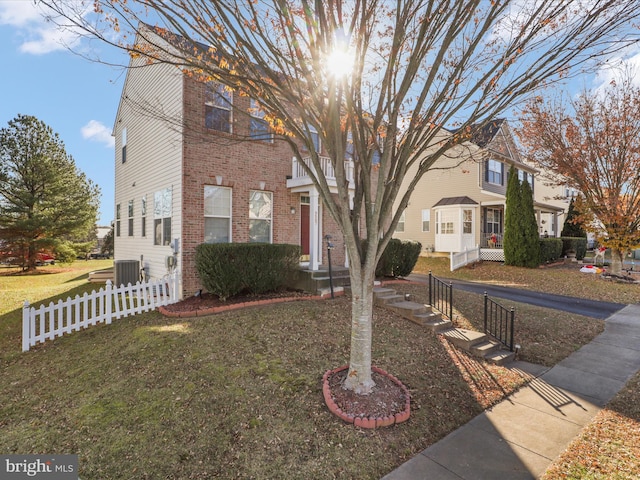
499	322
441	296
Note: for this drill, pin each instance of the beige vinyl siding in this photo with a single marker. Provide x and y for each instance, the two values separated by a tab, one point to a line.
154	158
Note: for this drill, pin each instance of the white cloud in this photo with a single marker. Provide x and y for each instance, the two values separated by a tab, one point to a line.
40	36
98	132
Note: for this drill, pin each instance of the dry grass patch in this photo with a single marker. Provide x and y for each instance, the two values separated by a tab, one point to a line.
609	447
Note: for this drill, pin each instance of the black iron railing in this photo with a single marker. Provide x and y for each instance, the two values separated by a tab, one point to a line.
499	322
441	296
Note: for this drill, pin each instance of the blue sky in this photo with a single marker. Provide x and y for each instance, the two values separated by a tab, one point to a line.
77	98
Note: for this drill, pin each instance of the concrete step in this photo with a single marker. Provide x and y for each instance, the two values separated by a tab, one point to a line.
500	357
388	300
407	309
485	348
463	338
438	325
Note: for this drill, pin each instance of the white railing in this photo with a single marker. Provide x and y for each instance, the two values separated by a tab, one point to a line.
460	259
56	319
328	171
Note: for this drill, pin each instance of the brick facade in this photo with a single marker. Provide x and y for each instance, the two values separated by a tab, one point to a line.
210	157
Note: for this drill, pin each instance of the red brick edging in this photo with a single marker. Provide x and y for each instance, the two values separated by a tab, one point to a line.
361	421
236	306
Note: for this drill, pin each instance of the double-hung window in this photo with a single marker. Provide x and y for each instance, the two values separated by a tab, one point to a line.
467	221
260	214
118	213
445	223
258	127
143	216
130	218
162	209
495	172
217	214
218	103
401	222
426	220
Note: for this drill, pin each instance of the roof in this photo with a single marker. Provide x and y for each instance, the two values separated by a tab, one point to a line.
483	133
455	201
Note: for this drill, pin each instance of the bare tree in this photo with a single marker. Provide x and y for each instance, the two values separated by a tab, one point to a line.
594	143
414	67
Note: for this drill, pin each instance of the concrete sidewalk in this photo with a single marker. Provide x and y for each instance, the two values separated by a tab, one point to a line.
519	437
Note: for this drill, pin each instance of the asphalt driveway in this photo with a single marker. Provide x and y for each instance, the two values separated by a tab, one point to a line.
581	306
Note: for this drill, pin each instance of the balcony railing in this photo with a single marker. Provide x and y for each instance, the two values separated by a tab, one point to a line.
300	177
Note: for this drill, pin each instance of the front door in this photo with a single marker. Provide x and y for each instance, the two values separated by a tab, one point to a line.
304	231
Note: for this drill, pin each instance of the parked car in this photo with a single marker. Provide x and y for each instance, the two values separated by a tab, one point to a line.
45	259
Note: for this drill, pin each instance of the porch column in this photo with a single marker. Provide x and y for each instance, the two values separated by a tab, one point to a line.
315	252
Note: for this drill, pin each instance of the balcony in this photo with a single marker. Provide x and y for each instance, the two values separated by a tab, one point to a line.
299	177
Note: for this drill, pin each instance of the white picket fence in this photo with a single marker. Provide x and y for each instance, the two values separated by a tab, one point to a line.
460	259
109	303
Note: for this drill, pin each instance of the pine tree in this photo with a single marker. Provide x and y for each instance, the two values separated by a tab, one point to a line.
44	198
529	228
572	225
512	240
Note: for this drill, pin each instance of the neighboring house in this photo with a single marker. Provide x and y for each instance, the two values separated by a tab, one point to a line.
460	202
185	174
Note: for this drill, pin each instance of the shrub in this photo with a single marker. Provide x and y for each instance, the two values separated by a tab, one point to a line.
576	244
550	249
398	258
227	269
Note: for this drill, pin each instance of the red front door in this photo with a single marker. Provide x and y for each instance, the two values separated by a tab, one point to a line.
304	229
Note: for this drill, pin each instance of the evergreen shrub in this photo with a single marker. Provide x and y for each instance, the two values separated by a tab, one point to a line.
227	269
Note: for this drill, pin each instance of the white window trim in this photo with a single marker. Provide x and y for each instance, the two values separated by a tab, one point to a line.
230	215
270	218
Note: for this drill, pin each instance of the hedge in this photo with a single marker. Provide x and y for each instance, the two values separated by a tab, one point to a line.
577	244
398	258
550	249
227	269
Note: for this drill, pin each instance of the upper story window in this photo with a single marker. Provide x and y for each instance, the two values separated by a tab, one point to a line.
495	172
218	103
258	127
260	208
124	144
525	177
217	214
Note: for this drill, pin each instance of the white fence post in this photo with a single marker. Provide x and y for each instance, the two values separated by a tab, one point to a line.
108	298
26	326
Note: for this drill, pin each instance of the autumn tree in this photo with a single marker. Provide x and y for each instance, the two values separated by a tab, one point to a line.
44	199
376	79
594	143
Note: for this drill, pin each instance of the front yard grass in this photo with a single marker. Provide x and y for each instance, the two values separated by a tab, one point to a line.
238	395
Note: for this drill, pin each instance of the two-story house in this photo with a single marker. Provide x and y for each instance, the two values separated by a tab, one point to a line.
195	163
460	202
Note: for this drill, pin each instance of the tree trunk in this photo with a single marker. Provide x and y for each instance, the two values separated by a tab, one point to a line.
617	261
359	378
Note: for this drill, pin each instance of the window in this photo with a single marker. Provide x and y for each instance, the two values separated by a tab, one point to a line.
445	223
426	220
258	126
217	214
218	103
162	217
495	172
494	220
143	215
467	221
124	145
117	220
525	177
130	217
400	226
260	207
315	138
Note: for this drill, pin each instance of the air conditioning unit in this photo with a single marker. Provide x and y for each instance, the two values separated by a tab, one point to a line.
127	271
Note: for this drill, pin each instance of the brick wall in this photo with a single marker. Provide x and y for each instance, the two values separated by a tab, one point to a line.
242	166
